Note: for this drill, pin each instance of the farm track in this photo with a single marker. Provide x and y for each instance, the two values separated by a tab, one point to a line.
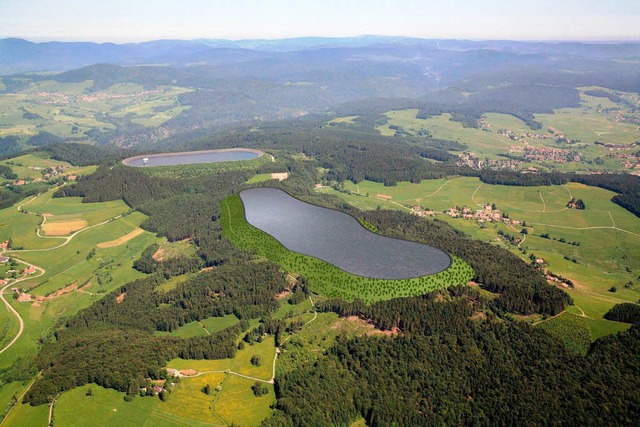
42	270
10	307
431	194
473	196
544	204
275	359
585	228
549	318
20	398
67	238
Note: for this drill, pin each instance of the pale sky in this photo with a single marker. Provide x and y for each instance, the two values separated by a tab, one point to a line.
140	20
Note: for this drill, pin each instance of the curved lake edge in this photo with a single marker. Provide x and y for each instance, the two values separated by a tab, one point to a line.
129	160
324	278
449	256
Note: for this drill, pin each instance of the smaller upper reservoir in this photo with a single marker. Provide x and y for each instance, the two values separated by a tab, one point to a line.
192	157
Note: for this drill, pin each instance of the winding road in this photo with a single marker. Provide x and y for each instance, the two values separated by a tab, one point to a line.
67	239
10	307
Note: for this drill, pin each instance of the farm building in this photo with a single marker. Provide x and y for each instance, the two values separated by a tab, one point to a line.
30	270
24	297
3	259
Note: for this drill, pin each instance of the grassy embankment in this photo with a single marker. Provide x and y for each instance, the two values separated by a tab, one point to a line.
325	278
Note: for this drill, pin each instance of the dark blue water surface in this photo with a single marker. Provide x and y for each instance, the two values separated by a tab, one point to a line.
212	156
338	238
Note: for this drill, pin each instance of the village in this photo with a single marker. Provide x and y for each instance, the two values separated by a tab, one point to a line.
53	98
555	155
10	272
533	135
48	174
471	161
488	214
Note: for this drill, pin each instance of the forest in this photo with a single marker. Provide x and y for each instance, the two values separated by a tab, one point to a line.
457	363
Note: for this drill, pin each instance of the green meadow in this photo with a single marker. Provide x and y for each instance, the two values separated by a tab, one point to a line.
73	110
31	166
606	256
587	123
77	273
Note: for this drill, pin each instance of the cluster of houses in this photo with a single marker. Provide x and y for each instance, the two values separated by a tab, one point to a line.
21	295
53	98
521	137
102	96
47	174
551	154
473	162
488	213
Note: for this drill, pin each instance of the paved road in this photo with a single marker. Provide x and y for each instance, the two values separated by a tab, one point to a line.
10	307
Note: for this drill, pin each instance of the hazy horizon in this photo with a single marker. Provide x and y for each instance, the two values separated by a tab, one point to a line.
122	21
356	36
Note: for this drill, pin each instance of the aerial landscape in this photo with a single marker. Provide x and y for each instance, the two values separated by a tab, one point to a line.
319	214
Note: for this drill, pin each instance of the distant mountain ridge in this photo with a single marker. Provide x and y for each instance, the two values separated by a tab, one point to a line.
19	55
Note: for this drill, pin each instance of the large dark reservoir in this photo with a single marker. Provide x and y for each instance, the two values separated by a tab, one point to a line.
191	157
338	238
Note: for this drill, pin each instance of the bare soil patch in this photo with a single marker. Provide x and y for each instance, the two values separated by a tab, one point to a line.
60	228
284	294
47	215
67	289
158	255
121	240
362	327
280	176
120	297
384	196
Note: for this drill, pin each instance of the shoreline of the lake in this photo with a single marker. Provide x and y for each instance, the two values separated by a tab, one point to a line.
346	244
182	154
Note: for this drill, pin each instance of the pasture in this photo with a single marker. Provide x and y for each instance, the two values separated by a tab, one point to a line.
204	327
586	124
170	250
608	254
73	110
31	166
77	272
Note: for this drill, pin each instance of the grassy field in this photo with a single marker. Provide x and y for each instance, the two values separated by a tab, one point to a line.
31	166
606	256
71	110
480	142
261	177
72	280
325	278
207	326
170	250
588	123
74	408
21	228
571	329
